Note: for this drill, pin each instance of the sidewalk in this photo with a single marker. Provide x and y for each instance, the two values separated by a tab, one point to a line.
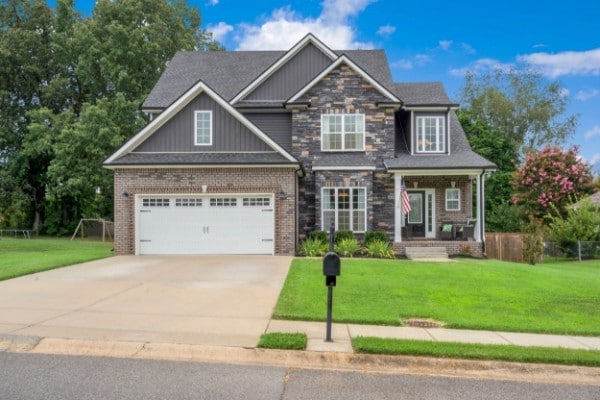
342	334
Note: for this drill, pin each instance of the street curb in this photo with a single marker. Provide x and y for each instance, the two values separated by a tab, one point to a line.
383	364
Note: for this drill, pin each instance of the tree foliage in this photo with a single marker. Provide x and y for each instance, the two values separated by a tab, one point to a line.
549	179
519	104
70	91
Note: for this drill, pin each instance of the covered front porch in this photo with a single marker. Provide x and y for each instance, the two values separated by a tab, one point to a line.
436	208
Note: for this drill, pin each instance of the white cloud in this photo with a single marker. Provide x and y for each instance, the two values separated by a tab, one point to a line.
595	131
284	28
564	92
386	30
445	44
422	59
402	64
467	48
565	63
480	66
213	2
583	95
219	31
539	45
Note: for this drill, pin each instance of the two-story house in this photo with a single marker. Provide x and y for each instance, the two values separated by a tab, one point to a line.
248	151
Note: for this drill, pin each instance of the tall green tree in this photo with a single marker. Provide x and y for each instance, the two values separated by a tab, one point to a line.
70	91
520	104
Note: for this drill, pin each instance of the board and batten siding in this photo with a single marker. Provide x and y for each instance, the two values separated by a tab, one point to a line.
292	76
177	135
277	125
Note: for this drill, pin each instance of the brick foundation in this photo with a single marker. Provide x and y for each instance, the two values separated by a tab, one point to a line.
452	246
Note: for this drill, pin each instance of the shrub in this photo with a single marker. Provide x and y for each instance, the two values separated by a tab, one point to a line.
379	249
371	236
581	223
465	250
318	235
313	248
533	245
341	235
347	247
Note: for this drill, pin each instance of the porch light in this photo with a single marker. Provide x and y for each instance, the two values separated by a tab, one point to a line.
125	194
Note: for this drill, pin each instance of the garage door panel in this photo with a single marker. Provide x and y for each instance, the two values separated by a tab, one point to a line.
208	225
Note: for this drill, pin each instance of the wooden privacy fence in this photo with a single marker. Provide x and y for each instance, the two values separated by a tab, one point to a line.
504	246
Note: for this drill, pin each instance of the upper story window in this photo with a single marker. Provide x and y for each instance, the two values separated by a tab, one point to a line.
343	132
203	128
431	134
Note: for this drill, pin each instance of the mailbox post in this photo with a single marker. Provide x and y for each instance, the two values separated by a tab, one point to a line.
331	270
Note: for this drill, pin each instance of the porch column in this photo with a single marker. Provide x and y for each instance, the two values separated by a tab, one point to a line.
398	216
480	226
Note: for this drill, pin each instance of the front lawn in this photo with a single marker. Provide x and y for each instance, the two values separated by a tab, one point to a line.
559	297
27	256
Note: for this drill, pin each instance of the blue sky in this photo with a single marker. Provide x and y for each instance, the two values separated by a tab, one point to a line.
436	40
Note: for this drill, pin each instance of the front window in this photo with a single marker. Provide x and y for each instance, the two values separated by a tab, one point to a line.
431	135
345	207
452	199
342	132
203	128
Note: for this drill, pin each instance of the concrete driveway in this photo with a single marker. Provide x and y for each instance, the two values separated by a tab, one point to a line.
221	300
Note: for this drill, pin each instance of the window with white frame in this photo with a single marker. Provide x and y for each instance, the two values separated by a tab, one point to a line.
203	128
342	132
431	134
452	199
345	207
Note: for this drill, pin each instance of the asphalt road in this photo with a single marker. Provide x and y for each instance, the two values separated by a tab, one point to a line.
49	377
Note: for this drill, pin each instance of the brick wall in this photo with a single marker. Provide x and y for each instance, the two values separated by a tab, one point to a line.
452	247
279	181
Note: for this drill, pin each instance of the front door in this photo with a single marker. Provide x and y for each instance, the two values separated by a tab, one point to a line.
416	216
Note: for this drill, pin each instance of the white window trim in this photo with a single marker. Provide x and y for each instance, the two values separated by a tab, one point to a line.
364	133
458	199
441	138
335	209
209	112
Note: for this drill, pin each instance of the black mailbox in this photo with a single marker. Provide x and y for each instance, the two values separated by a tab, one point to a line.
331	264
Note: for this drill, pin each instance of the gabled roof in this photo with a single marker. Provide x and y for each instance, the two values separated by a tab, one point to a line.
343	59
177	106
229	72
308	39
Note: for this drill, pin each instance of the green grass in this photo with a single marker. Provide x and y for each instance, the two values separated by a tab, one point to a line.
22	256
371	345
284	341
558	297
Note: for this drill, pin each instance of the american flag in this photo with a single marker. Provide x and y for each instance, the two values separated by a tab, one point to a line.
405	200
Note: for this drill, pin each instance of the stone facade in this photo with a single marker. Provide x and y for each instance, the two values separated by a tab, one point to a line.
343	91
279	181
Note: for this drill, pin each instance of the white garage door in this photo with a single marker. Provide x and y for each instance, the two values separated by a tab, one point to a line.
224	224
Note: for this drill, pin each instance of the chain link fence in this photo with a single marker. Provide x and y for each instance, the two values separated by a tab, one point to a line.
578	250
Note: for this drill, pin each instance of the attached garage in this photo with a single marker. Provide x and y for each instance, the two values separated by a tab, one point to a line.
203	224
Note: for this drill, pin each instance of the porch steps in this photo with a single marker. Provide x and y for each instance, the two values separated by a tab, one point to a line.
426	253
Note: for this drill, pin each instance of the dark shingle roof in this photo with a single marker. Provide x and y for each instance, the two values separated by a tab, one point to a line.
200	158
461	156
229	72
421	93
226	72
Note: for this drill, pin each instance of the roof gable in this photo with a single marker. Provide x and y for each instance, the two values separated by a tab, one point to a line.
171	111
309	39
345	60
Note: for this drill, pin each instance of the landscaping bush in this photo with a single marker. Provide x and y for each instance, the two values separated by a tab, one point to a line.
371	236
347	247
313	248
319	235
379	249
341	235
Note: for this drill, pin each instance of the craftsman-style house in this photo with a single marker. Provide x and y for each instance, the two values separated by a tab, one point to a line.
249	151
